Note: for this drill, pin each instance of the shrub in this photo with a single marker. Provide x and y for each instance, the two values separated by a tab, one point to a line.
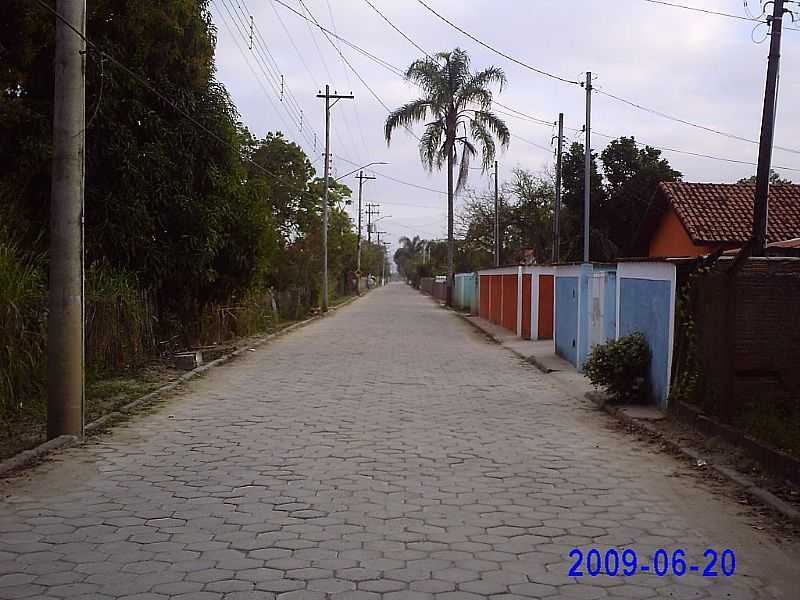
622	367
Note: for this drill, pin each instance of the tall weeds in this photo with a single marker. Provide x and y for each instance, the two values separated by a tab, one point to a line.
120	318
23	321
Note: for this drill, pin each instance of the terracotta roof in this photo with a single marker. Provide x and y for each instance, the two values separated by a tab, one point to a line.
723	212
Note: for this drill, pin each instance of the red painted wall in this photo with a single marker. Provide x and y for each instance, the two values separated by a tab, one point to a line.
546	307
509	316
671	239
496	295
526	306
485	286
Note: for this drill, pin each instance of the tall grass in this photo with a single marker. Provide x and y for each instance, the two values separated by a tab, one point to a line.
23	321
120	319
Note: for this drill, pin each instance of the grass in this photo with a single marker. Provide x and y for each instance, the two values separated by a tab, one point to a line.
23	320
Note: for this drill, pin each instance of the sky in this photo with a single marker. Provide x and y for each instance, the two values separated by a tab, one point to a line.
706	69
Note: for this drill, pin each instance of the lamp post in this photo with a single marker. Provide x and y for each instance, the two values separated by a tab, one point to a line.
361	167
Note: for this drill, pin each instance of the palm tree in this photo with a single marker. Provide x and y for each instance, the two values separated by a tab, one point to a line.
455	98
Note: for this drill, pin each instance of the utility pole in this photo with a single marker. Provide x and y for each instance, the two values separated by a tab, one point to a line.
496	220
587	171
361	178
328	97
385	261
65	351
761	204
372	209
557	207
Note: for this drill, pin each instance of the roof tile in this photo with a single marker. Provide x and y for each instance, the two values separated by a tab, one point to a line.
723	212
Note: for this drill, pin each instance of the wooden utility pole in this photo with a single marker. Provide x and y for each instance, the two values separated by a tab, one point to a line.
328	97
65	351
497	243
587	169
557	207
761	203
361	178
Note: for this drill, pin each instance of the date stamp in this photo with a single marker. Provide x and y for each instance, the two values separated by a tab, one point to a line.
626	562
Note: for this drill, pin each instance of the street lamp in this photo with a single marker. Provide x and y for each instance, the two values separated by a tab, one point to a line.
361	167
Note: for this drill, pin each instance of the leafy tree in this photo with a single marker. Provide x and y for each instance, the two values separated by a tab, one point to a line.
631	174
620	195
774	179
571	218
457	101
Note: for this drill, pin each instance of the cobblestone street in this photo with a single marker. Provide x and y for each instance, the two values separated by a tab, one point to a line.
388	451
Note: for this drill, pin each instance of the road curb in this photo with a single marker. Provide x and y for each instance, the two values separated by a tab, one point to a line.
37	453
764	496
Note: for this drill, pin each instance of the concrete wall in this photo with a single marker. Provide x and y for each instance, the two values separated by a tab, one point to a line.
593	303
646	303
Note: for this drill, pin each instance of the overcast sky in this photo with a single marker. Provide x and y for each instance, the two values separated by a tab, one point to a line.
701	68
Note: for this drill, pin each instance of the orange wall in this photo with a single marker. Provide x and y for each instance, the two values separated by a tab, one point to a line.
672	240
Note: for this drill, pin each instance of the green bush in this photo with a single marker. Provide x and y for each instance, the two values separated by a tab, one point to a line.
622	367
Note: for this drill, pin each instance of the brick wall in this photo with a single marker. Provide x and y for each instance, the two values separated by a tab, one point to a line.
749	344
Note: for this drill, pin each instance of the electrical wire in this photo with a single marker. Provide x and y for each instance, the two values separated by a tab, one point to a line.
347	62
144	83
751	18
685	122
618	98
260	52
496	51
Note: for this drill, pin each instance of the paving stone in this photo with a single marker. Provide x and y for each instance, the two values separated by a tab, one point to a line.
386	452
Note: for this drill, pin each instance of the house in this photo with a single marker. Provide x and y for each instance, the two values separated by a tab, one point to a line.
693	219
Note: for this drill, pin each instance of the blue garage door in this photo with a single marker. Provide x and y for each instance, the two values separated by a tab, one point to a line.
566	334
644	306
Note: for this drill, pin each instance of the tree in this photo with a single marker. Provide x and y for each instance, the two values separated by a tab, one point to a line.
454	97
774	179
632	174
572	177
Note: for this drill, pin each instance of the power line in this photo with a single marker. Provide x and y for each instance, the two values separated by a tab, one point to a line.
392	25
526	116
713	12
347	62
732	136
618	98
143	82
277	81
259	79
496	51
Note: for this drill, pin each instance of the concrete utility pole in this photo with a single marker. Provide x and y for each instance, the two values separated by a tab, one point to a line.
328	97
557	207
65	352
385	261
496	220
587	171
761	204
361	178
372	210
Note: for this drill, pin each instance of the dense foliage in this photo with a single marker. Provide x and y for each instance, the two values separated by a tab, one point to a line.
187	218
622	367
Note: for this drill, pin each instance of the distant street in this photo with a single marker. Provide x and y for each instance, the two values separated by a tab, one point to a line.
388	451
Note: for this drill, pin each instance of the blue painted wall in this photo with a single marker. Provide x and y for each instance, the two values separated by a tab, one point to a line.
610	323
584	311
566	325
466	291
644	306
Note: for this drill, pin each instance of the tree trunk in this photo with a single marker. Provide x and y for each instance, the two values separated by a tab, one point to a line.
450	241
